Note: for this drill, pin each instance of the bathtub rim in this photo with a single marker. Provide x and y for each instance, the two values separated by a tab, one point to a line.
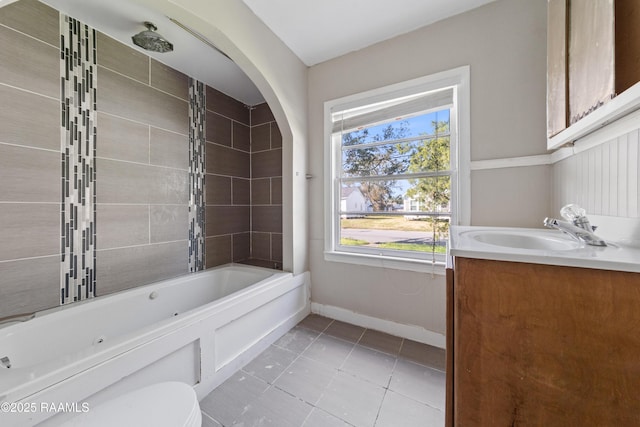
140	289
17	386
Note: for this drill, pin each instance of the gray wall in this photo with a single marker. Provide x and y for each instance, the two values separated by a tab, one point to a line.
504	43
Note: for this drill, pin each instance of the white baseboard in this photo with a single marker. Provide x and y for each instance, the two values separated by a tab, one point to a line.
412	332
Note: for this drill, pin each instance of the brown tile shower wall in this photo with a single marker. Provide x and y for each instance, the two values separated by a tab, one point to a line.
29	158
143	169
227	181
266	188
243	183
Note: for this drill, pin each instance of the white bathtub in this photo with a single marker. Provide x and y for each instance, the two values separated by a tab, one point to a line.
198	329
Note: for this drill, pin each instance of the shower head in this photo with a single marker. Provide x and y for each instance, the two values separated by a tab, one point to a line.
150	40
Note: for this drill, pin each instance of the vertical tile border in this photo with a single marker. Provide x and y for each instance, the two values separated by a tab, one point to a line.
197	144
78	151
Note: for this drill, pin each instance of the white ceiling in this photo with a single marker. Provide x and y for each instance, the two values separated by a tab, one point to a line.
315	30
319	30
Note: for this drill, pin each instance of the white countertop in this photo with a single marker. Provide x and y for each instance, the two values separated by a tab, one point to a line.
615	256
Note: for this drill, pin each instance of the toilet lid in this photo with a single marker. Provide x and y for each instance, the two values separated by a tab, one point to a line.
171	404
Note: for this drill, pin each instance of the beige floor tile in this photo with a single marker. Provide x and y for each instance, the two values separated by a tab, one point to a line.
297	339
419	382
423	354
370	365
270	363
315	322
344	331
353	400
306	379
381	341
398	410
329	351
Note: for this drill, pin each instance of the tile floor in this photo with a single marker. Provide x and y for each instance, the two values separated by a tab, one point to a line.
326	373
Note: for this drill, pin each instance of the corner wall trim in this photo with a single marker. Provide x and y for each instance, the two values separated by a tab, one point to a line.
412	332
513	162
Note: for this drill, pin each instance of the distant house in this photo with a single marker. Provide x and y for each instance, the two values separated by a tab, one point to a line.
412	205
417	205
352	200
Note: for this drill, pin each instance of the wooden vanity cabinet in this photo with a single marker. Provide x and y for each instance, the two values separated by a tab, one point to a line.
593	54
541	345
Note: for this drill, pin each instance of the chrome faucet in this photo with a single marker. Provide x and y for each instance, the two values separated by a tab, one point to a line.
579	233
577	225
22	317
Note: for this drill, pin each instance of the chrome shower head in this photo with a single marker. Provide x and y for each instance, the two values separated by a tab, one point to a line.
150	40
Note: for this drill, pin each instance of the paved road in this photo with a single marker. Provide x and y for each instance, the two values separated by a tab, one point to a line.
381	236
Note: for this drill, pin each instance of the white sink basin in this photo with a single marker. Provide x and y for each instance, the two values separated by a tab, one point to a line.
539	246
542	240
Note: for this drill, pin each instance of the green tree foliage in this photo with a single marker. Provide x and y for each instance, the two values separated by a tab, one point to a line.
375	160
431	155
434	193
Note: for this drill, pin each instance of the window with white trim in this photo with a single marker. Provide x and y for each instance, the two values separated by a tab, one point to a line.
397	171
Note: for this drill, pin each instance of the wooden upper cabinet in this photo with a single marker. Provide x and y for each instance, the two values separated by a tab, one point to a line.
556	66
593	54
627	36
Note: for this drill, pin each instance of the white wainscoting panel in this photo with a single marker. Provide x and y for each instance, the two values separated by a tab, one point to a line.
602	179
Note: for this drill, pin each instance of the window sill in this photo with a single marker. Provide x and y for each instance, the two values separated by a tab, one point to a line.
387	262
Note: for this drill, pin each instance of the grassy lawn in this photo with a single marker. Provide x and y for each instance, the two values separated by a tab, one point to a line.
413	247
347	241
393	223
387	223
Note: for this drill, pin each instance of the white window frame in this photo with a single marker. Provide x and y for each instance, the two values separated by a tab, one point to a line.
459	79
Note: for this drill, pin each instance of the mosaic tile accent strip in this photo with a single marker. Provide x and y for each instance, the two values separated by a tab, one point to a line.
78	150
197	144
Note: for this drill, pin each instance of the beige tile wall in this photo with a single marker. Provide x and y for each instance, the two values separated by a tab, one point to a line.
29	158
143	169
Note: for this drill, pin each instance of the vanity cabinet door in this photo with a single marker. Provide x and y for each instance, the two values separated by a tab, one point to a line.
540	345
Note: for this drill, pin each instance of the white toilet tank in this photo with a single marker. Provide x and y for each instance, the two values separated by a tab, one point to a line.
167	404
